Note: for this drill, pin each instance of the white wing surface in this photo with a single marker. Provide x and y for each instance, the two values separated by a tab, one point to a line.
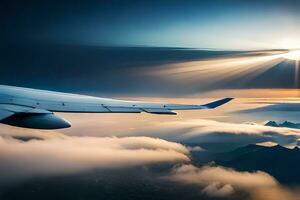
17	100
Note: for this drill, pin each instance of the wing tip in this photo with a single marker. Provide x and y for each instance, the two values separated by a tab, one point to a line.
218	103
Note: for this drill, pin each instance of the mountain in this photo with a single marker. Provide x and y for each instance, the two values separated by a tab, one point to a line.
227	156
286	124
204	157
280	162
271	123
290	125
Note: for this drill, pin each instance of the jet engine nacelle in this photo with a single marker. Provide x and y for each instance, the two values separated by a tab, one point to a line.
37	121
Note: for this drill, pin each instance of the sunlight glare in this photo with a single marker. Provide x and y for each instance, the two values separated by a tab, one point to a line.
292	55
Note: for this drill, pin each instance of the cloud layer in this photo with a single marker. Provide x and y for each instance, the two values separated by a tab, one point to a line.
58	156
27	154
207	131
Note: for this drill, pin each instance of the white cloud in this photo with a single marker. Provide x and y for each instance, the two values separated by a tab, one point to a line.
207	131
56	156
267	144
217	189
220	181
7	131
225	182
195	148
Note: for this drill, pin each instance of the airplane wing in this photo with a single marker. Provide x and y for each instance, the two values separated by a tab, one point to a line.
23	102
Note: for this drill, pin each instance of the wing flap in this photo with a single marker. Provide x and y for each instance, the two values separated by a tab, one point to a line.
115	109
159	111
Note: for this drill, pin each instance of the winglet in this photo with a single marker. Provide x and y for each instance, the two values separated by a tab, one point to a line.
217	103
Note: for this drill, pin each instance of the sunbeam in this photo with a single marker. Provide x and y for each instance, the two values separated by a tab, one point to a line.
295	56
296	73
212	72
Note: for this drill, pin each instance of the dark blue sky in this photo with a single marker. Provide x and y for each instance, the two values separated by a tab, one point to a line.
201	24
58	45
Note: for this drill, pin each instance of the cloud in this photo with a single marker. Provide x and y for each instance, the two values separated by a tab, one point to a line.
276	106
58	156
275	193
218	190
216	181
185	127
207	131
195	148
7	131
49	154
191	131
220	181
267	144
276	110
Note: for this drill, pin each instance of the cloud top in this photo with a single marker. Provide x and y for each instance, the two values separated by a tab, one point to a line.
220	181
58	156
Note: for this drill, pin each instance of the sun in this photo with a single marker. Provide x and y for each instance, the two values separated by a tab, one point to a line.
292	55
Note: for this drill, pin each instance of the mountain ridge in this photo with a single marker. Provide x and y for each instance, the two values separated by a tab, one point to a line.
278	161
285	124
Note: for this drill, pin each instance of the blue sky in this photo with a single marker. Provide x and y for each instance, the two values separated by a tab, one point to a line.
197	24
